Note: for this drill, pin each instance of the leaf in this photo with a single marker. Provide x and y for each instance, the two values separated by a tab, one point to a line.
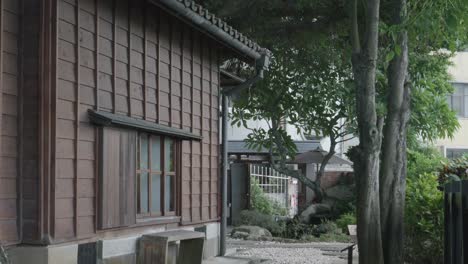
390	55
398	50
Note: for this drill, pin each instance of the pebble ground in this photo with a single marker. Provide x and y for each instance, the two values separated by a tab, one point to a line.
290	253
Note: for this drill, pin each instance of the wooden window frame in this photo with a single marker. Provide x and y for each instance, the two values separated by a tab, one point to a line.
162	173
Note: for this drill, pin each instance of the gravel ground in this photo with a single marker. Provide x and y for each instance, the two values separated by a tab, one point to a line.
290	253
279	255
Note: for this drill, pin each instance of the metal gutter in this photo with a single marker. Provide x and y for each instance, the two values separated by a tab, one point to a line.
233	79
227	91
224	176
180	10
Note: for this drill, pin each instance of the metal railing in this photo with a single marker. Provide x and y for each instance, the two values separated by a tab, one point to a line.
274	184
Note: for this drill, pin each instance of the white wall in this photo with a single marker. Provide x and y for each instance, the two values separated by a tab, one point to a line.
240	133
459	72
459	69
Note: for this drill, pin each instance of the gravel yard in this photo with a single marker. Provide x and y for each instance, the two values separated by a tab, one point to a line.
286	255
289	253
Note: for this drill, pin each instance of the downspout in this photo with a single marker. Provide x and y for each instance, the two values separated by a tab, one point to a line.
227	91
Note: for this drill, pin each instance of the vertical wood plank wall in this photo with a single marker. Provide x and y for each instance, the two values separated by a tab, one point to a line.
134	59
29	121
9	89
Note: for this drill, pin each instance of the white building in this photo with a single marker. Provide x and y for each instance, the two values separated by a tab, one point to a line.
458	101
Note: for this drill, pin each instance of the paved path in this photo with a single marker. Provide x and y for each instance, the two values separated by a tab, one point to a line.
291	253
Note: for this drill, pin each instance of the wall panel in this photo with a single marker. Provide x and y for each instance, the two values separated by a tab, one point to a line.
10	190
132	58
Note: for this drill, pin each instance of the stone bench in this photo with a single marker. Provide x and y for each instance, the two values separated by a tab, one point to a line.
153	248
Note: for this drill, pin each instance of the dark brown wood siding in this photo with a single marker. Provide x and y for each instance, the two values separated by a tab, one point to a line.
117	182
131	58
29	121
9	106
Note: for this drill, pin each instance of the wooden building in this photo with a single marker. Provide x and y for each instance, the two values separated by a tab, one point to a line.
109	123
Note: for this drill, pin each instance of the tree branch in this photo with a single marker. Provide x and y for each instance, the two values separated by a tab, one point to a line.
355	41
326	159
345	140
281	165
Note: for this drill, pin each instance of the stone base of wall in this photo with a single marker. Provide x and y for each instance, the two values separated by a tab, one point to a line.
44	255
121	250
122	259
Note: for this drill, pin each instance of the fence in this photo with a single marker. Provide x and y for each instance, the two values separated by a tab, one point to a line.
456	222
275	186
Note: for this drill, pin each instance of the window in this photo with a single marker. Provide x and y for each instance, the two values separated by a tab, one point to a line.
156	175
456	153
458	101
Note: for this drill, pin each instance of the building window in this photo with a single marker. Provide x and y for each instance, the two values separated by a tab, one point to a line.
458	101
456	153
156	175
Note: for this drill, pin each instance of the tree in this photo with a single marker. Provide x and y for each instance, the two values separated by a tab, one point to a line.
299	85
383	39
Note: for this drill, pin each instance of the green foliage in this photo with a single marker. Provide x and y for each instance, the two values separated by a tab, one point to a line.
423	159
424	220
329	237
260	202
431	116
424	205
456	169
295	229
327	232
299	85
346	219
310	80
255	218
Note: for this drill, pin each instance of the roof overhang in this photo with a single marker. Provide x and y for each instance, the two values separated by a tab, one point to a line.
108	119
213	26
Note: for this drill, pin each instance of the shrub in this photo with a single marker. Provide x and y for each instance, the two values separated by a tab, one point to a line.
329	237
346	219
255	218
424	220
423	159
344	207
327	232
456	169
424	209
260	202
295	229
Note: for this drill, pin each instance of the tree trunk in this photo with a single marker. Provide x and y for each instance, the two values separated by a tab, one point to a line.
367	154
393	173
326	159
366	168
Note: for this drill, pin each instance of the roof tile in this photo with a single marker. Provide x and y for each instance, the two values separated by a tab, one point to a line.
211	18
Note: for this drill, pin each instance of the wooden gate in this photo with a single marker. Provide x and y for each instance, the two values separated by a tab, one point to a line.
456	222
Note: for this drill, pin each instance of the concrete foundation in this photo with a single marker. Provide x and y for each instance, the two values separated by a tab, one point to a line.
109	251
44	255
